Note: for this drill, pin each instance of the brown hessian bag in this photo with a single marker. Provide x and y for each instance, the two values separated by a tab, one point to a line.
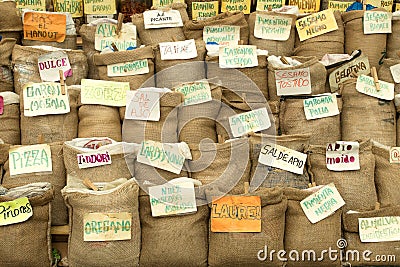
385	74
11	22
393	39
10	131
6	73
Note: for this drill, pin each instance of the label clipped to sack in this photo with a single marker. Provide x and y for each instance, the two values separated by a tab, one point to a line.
306	6
195	92
272	27
142	105
251	121
339	6
1	105
237	214
93	159
395	71
236	6
107	226
154	19
45	27
15	211
131	68
379	229
161	3
322	203
265	5
366	85
221	34
238	56
30	159
44	99
377	22
36	5
316	24
343	156
172	199
107	93
293	82
106	34
204	10
75	7
178	50
99	7
50	64
321	107
394	155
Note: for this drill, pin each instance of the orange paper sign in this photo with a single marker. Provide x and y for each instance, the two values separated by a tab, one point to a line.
46	27
236	214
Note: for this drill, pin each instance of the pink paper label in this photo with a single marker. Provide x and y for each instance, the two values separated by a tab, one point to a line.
1	105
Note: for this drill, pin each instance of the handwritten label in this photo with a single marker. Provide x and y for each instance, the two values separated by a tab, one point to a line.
1	105
50	64
75	7
322	203
238	56
46	27
394	155
264	5
386	4
397	7
272	27
379	229
293	82
44	99
377	22
366	85
195	92
99	7
107	226
36	5
316	24
106	34
236	6
306	6
338	5
136	67
172	199
221	34
142	105
343	156
93	159
236	214
162	19
395	71
15	211
178	50
251	121
105	93
204	10
321	107
161	3
30	159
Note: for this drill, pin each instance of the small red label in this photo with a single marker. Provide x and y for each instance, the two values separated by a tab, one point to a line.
1	105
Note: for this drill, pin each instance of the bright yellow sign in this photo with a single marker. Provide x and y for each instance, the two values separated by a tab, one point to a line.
75	7
236	6
161	3
316	24
204	10
37	5
306	6
338	5
15	211
264	5
99	7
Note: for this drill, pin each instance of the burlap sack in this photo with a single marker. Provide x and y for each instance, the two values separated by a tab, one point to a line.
10	131
274	107
80	202
393	39
6	79
241	249
10	18
194	29
293	121
265	176
87	33
135	81
366	117
317	76
356	187
25	61
274	47
32	236
385	74
3	156
6	48
68	43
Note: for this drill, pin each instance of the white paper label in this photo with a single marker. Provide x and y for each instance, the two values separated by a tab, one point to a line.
15	211
251	121
30	159
272	27
322	203
136	67
106	34
366	85
343	156
178	50
222	34
142	105
107	226
162	19
293	82
107	93
394	155
379	229
50	64
91	18
238	56
93	159
321	107
395	70
377	22
195	93
282	158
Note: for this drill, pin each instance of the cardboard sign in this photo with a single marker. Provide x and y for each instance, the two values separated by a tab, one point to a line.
360	65
316	24
36	5
264	5
251	121
221	34
98	92
377	22
154	19
100	7
395	71
394	155
142	105
136	67
237	214
282	158
30	159
204	10
106	34
343	156
293	82
15	211
306	6
1	105
172	199
178	50
236	6
75	7
386	4
45	27
366	85
93	159
322	203
161	3
195	92
44	99
238	56
107	226
272	27
379	229
338	5
50	64
321	107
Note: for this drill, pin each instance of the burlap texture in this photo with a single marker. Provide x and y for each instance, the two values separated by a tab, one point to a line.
274	107
68	43
124	198
6	79
10	131
88	34
6	48
348	183
393	39
10	17
385	74
14	34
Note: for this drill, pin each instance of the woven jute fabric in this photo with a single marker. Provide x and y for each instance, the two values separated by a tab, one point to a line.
393	39
356	187
6	48
385	74
6	79
189	6
10	17
274	107
32	236
88	37
241	249
10	131
274	47
59	214
366	117
68	43
123	198
302	235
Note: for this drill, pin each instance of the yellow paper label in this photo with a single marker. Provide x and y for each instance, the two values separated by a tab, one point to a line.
397	7
30	159
16	211
161	3
37	5
306	6
107	226
338	5
386	4
263	5
236	6
75	7
204	10
99	7
45	27
105	93
316	24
